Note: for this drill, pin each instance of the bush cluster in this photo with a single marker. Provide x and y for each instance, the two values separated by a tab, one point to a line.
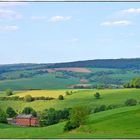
14	98
10	112
9	92
134	83
69	92
97	95
60	97
29	110
104	107
2	116
52	116
27	98
78	117
131	102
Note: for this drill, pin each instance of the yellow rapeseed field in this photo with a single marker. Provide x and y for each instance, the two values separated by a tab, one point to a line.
45	93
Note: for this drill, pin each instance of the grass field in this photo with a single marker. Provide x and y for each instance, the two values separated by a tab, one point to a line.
81	97
45	81
116	123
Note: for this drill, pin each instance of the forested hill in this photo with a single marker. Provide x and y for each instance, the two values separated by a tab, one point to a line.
102	63
98	63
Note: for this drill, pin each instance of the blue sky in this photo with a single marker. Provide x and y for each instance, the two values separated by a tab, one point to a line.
62	32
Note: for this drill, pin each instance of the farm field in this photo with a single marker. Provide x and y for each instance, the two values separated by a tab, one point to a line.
45	93
81	97
116	123
45	81
64	78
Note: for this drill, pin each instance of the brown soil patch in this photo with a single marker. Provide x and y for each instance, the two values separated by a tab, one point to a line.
82	70
84	80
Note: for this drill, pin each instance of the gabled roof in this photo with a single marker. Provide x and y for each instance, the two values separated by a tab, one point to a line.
25	116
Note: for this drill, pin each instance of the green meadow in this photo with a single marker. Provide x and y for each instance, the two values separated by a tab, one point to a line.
116	123
81	97
122	122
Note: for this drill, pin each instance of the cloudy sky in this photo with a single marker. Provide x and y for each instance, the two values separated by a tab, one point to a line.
61	32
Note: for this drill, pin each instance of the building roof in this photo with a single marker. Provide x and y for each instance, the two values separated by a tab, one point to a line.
25	116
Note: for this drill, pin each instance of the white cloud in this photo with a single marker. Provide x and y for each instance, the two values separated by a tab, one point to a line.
9	14
60	18
126	35
105	40
116	23
137	47
9	28
131	11
74	40
38	17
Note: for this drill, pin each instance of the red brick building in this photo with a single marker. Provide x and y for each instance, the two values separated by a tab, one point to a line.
26	120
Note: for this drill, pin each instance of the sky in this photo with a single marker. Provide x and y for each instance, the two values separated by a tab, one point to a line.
35	32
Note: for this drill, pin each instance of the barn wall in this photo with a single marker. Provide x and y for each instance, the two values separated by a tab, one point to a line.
27	122
34	122
23	122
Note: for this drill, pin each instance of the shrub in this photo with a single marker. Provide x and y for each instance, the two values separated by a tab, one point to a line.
111	107
42	98
10	112
61	97
96	110
68	93
130	102
69	126
77	117
52	116
29	110
42	118
2	117
100	108
28	98
9	92
97	95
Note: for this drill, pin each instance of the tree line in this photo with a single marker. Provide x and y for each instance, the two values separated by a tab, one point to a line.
134	83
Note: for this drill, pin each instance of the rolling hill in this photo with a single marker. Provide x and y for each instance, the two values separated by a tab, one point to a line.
81	97
80	74
115	123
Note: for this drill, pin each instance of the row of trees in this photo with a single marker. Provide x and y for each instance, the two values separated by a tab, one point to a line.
27	98
52	116
128	102
134	83
46	117
98	86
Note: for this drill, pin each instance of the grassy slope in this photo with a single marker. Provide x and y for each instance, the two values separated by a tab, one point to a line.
117	123
38	82
83	97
